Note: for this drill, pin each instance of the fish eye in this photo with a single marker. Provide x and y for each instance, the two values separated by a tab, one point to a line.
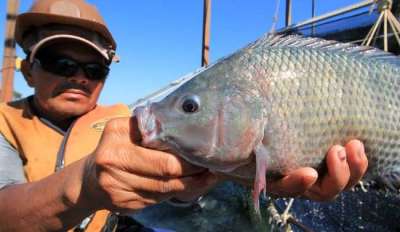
191	104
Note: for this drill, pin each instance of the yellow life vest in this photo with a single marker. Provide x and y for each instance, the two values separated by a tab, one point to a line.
38	144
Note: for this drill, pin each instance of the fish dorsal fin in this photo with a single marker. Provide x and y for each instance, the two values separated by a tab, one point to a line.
298	41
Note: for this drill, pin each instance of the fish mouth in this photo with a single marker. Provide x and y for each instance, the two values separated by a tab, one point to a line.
149	127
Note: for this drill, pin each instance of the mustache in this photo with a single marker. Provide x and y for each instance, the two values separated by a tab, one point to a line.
70	85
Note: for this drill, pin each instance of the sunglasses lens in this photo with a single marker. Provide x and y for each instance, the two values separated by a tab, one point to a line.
60	66
96	71
67	67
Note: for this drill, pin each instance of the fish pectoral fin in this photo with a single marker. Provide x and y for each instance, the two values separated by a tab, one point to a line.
262	154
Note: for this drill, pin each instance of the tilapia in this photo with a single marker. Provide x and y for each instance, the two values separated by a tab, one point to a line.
279	104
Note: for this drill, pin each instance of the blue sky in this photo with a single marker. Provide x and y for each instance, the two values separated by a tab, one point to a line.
160	40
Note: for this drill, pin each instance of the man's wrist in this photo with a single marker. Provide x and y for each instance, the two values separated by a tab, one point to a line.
76	192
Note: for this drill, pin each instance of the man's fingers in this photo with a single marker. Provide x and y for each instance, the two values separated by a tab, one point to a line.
295	183
131	177
335	180
118	149
134	130
160	188
154	163
118	129
357	161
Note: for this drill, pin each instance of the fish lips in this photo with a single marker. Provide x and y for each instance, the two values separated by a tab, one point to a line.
149	127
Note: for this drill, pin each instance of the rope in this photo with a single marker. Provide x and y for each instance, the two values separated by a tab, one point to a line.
275	18
285	219
386	16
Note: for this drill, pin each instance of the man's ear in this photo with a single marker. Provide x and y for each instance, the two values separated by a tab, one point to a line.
26	71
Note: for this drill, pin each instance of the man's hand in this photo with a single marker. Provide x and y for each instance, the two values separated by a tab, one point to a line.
346	166
122	176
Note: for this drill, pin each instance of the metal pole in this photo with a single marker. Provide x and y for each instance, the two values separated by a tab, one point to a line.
385	34
288	18
9	53
206	32
313	8
312	16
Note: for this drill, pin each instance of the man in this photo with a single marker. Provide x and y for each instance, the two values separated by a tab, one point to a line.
59	164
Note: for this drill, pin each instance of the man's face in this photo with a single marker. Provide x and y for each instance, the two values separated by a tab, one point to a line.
62	97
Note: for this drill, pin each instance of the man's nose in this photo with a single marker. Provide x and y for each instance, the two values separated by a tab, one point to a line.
79	77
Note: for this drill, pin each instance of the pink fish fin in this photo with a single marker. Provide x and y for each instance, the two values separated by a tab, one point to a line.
262	154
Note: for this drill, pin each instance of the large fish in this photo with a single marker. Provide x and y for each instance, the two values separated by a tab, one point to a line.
279	104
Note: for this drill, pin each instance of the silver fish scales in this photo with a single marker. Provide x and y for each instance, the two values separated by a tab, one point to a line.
282	102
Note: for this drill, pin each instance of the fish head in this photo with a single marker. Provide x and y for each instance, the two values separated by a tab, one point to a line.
205	121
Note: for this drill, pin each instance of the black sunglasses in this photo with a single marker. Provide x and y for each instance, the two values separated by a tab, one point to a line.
67	67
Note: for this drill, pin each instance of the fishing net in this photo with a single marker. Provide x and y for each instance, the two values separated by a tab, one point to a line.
228	208
374	210
225	208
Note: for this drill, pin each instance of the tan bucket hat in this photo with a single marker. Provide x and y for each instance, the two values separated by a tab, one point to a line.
75	13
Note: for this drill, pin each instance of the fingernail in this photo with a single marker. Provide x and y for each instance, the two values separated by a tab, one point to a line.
342	155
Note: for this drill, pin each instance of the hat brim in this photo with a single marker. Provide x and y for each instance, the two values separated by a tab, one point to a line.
68	37
27	20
